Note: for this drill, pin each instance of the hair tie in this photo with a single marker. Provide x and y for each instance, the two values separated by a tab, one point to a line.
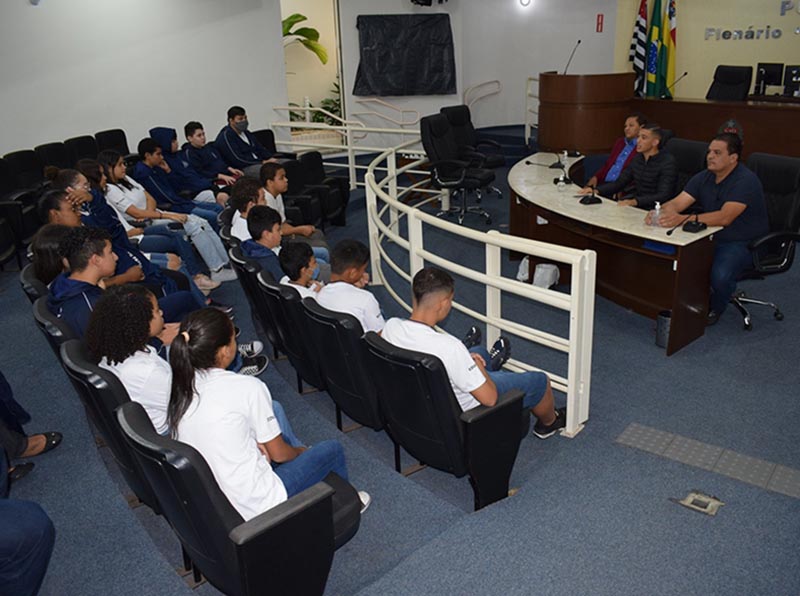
185	335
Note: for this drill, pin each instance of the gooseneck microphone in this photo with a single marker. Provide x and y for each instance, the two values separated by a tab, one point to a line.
571	56
668	92
669	232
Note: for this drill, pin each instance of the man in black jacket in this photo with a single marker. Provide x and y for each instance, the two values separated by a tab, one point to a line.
651	177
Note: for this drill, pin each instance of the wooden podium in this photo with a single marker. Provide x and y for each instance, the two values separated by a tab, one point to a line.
583	112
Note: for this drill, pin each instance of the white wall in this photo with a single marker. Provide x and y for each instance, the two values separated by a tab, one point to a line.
80	66
497	39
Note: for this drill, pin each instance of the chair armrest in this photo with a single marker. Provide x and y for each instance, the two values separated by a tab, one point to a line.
307	205
290	547
474	159
772	237
449	172
491	441
20	195
490	143
285	155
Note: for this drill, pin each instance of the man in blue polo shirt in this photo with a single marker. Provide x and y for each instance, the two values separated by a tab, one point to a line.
730	196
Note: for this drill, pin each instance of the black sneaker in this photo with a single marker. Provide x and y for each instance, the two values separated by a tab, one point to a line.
226	308
542	431
499	353
237	332
472	338
252	367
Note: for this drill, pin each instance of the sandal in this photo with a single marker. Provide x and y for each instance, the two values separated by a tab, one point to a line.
19	471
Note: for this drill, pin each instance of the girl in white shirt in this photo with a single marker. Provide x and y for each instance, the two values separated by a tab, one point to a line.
230	420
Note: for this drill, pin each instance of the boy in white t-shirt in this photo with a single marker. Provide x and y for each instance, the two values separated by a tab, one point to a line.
473	381
345	292
246	194
298	263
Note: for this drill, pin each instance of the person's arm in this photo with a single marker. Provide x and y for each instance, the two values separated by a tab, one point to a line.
486	394
665	187
600	174
279	451
131	275
609	189
288	229
231	153
373	316
671	210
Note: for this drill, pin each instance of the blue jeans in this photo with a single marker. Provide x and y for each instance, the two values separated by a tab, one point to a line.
532	384
286	428
163	239
311	466
730	260
321	254
205	240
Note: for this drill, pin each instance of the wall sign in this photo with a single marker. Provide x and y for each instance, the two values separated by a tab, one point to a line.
751	33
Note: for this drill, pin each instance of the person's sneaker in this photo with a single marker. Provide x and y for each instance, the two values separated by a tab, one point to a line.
499	353
252	367
236	331
542	431
204	283
712	318
472	338
365	500
223	275
226	308
250	349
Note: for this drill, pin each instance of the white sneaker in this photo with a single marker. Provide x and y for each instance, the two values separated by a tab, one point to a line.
250	349
365	500
223	275
204	283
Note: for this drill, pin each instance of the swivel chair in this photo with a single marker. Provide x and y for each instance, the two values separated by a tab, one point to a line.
731	83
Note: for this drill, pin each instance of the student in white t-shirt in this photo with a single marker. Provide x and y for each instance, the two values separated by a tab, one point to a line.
473	384
298	263
345	292
127	335
246	194
229	419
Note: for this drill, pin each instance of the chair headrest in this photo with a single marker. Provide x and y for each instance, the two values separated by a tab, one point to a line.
778	174
733	75
457	115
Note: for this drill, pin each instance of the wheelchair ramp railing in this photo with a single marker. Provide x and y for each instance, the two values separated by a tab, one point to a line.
480	91
399	244
531	106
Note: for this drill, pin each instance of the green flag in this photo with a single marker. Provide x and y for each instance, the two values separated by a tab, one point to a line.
656	55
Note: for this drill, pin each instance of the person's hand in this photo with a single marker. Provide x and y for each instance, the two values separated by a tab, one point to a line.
478	359
299	450
263	449
101	284
179	217
236	172
78	196
173	261
270	160
169	333
228	180
586	190
669	219
305	230
316	286
165	166
627	203
363	282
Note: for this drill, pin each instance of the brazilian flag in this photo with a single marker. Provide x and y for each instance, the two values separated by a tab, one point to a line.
656	55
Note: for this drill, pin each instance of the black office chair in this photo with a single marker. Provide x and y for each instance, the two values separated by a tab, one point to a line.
333	192
82	147
774	252
690	157
286	550
731	83
267	138
8	245
302	206
101	392
422	415
342	354
55	154
450	172
33	287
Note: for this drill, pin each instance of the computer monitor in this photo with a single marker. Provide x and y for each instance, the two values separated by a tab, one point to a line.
767	73
791	81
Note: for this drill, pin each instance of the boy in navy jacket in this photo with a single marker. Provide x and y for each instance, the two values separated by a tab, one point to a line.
204	158
264	224
238	146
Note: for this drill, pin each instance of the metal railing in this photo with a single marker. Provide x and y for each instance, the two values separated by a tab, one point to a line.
467	98
385	209
531	113
402	111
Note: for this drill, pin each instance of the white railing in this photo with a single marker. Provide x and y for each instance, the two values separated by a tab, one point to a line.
414	121
384	212
531	106
467	98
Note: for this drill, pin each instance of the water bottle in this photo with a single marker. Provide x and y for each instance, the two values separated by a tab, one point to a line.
655	215
561	185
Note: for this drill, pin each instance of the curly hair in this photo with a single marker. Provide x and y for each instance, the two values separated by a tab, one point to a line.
120	323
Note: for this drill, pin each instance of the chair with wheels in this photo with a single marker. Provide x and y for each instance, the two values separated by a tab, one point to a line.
690	157
774	252
731	83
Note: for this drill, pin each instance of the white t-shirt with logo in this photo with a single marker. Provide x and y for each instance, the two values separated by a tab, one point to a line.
147	377
122	198
229	414
465	376
302	290
239	227
341	296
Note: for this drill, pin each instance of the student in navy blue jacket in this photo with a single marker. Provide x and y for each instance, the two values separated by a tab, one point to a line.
238	146
153	173
205	158
264	225
91	259
182	176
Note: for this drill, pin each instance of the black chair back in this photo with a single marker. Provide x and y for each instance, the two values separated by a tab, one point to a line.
55	331
55	154
225	217
8	244
690	157
305	205
731	83
343	360
247	272
287	550
82	147
267	138
438	139
27	170
114	139
34	288
333	193
460	121
101	392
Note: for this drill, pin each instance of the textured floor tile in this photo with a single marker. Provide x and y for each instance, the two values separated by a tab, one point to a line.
786	481
745	468
694	453
645	438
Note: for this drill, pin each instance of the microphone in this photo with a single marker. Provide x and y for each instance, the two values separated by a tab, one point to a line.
591	200
557	164
668	92
669	232
571	56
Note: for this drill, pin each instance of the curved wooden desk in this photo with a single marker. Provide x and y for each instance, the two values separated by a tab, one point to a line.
638	266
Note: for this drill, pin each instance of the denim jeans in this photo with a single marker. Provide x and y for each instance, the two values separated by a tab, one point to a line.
163	239
532	384
311	466
204	197
205	240
730	260
286	427
208	212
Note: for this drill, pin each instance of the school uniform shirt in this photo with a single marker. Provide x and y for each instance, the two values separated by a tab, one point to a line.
464	374
302	290
239	227
122	198
228	415
340	296
276	203
147	377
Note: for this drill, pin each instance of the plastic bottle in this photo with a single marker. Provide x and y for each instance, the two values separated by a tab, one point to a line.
561	185
655	215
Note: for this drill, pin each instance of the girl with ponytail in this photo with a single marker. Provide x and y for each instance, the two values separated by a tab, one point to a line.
229	419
